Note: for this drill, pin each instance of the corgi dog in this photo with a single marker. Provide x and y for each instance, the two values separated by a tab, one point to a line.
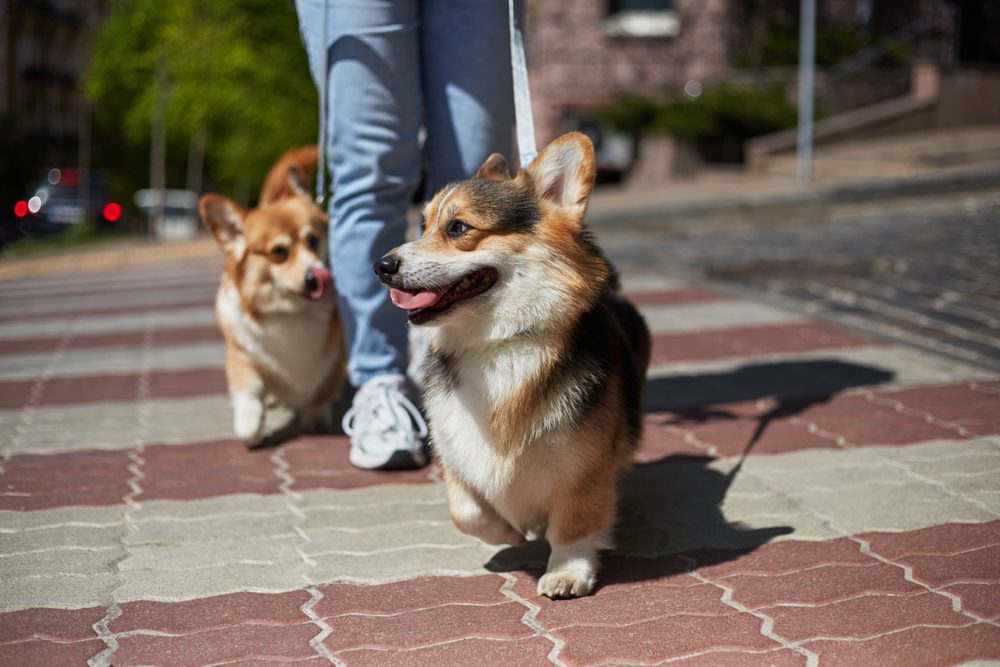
275	305
536	366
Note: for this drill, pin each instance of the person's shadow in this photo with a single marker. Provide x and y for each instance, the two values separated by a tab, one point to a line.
676	505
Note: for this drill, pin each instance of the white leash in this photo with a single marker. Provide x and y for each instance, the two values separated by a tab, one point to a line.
526	149
323	100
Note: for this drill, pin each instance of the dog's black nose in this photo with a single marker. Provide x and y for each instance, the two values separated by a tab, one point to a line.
387	266
311	283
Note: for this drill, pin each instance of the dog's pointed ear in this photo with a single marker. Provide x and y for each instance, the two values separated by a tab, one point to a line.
297	183
224	218
495	168
564	172
290	175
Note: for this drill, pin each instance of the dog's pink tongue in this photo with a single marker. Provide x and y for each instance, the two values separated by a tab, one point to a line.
324	283
412	300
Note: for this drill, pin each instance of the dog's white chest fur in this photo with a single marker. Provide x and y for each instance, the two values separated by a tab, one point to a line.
518	483
288	348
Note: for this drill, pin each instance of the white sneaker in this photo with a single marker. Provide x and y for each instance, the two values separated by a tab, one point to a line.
386	429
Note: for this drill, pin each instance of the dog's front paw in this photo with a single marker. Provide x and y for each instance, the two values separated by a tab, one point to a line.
248	418
565	584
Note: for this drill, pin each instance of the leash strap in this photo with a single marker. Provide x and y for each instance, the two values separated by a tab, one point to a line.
526	149
324	99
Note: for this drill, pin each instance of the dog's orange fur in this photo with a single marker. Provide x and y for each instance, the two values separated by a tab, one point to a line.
275	337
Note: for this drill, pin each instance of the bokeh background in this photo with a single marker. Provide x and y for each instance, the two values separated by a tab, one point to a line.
122	96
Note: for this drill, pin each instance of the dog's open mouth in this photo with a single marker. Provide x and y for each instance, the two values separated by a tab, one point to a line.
424	305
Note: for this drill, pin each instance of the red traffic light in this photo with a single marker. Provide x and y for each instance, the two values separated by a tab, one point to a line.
21	209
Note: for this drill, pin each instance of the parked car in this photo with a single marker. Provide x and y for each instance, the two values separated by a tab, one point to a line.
57	203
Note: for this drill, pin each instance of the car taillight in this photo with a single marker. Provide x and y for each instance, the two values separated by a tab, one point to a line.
21	209
112	212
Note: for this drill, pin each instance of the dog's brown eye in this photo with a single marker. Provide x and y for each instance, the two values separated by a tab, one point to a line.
456	228
312	242
279	253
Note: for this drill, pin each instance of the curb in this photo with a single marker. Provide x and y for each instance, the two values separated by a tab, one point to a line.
818	202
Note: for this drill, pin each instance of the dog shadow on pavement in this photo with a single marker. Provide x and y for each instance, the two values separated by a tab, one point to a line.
673	511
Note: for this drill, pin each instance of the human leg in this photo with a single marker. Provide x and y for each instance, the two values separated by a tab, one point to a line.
367	54
373	119
467	87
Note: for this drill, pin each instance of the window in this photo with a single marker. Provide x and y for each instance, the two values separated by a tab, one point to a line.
642	18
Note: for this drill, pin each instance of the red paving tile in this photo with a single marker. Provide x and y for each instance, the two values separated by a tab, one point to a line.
863	617
980	599
84	312
753	341
206	469
257	642
652	641
981	566
222	611
820	585
321	462
944	539
778	658
731	437
14	394
43	652
618	574
659	442
795	424
674	297
915	647
636	605
35	482
61	625
425	627
407	596
778	558
186	383
862	422
118	339
975	411
119	387
467	651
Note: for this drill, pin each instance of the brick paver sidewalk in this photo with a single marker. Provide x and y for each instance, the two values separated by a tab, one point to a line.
862	526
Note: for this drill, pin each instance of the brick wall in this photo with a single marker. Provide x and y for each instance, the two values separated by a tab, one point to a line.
575	64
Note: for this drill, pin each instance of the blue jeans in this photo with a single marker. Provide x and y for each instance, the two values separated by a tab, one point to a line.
396	66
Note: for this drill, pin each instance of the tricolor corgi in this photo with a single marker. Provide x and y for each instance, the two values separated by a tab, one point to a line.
534	378
275	304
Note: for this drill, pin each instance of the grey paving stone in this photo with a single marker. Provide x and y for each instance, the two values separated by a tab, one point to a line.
690	318
58	591
107	361
196	552
211	579
64	560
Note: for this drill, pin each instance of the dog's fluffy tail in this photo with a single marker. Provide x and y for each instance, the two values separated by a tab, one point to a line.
290	176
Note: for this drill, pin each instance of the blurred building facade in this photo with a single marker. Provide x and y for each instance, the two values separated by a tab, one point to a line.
583	53
44	57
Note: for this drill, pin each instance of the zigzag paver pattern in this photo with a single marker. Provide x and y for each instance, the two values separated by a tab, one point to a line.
803	495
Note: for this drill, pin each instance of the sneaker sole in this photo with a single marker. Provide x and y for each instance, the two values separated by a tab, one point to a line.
401	459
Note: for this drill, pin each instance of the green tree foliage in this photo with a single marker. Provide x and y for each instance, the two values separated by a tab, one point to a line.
236	70
747	111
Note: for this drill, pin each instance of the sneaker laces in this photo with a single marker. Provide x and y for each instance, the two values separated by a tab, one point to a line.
386	409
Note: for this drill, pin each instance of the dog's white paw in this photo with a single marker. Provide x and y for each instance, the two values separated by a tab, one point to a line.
248	418
565	584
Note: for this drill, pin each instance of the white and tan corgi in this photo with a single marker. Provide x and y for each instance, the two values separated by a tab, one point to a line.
275	304
536	368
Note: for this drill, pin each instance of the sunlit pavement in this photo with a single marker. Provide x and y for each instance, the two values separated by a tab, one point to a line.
804	492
